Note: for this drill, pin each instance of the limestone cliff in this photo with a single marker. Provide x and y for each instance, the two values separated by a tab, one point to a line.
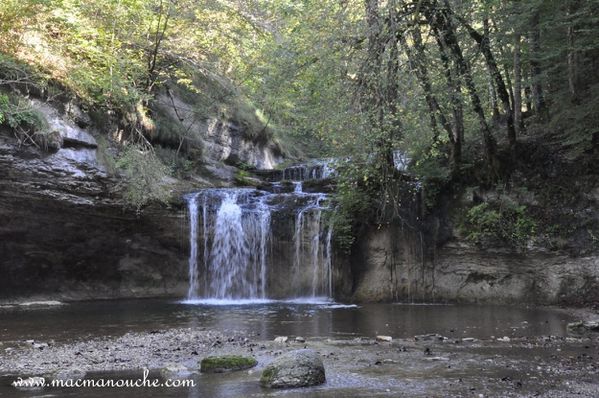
65	229
439	257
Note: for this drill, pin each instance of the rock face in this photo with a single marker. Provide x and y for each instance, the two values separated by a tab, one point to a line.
220	140
301	368
64	231
64	234
391	267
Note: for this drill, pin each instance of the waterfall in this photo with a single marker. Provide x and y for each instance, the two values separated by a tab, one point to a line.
315	251
329	262
229	257
192	206
242	258
264	212
312	257
298	187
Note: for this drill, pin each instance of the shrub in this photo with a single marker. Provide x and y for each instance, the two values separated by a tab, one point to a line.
501	221
16	112
144	176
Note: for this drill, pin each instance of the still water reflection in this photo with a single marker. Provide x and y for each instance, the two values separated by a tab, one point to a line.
114	318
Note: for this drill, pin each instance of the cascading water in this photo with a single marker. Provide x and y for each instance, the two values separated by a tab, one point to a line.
193	244
229	257
243	259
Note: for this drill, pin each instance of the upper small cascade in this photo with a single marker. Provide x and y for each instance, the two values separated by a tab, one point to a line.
314	170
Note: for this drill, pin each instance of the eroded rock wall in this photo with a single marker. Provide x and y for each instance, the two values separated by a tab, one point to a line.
64	233
391	267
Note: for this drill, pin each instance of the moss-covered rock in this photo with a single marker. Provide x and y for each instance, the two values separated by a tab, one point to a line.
300	368
226	363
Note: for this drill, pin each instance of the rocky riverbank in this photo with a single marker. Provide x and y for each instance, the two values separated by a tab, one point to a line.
427	365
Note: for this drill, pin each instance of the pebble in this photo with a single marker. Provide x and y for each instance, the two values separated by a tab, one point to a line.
437	359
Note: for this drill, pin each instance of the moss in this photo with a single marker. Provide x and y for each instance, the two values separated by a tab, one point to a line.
267	375
244	179
226	363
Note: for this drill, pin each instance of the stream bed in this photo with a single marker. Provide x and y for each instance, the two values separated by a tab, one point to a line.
436	351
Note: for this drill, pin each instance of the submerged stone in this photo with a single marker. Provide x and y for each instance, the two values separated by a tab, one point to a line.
300	368
174	371
226	363
70	374
581	326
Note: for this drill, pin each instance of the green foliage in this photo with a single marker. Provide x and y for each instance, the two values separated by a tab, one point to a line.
434	176
243	178
4	104
105	155
503	222
16	112
178	164
331	77
353	197
15	15
145	176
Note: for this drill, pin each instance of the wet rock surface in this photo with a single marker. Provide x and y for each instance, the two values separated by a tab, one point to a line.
300	368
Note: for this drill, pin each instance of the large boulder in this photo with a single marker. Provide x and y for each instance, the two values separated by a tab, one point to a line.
300	368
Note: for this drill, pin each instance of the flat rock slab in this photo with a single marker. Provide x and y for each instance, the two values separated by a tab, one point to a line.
300	368
226	363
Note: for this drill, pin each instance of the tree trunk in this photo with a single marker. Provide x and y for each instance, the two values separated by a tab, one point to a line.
572	61
485	47
380	84
444	31
371	93
455	94
517	85
454	134
535	64
161	27
492	91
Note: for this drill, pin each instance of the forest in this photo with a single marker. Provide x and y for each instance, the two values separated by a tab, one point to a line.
457	86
